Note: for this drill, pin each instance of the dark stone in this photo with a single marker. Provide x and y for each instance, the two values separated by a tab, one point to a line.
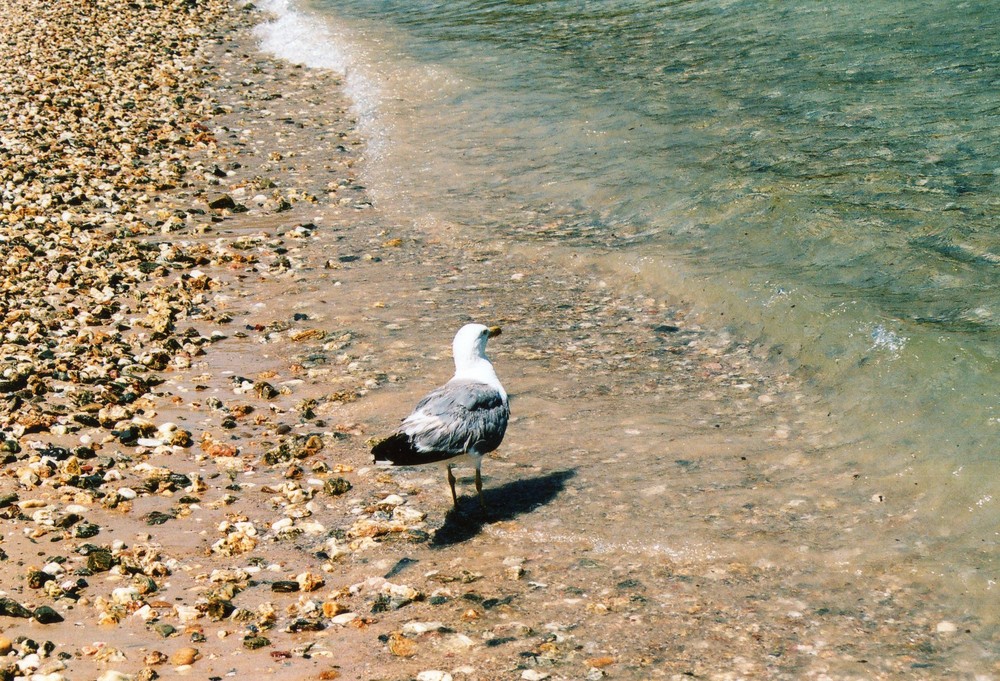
284	586
84	453
265	390
255	642
221	202
400	565
86	530
305	625
57	453
490	603
37	579
381	603
163	629
100	561
13	384
417	536
11	608
336	486
220	609
46	615
179	479
157	517
68	520
93	481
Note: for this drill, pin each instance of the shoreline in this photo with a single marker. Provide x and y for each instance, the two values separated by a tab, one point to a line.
279	330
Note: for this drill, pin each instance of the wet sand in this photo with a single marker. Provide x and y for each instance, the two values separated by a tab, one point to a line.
212	319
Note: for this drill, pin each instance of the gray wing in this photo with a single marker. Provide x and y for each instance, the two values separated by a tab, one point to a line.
458	417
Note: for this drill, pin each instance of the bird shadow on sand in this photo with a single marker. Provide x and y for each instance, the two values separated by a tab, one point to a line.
505	502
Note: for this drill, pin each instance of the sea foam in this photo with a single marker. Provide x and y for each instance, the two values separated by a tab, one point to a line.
311	40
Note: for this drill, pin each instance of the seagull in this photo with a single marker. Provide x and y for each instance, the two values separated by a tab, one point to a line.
466	416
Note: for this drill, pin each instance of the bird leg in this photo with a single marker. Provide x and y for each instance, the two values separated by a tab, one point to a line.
479	489
451	481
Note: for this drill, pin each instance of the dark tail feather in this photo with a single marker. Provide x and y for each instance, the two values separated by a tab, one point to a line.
397	449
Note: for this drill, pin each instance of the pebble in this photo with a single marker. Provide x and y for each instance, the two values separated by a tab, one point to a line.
433	675
46	615
11	608
946	627
184	656
417	628
112	675
534	675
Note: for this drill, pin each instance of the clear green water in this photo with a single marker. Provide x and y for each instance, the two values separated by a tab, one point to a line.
822	176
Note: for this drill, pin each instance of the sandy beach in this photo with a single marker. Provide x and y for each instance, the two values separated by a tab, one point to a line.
206	319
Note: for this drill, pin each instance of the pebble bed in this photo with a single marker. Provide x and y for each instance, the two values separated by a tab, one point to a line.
205	319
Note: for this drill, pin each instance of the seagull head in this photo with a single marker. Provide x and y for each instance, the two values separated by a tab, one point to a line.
469	346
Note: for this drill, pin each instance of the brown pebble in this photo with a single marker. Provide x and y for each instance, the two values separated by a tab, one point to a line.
602	661
184	656
154	658
401	646
6	645
332	609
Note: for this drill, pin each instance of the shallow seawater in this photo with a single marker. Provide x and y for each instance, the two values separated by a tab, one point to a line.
820	179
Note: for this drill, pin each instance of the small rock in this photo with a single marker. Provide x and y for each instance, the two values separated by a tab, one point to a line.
265	390
164	629
417	628
533	675
309	581
86	530
433	675
184	656
112	675
100	561
400	646
336	487
221	202
154	658
147	674
255	642
46	615
50	676
37	579
946	627
11	608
